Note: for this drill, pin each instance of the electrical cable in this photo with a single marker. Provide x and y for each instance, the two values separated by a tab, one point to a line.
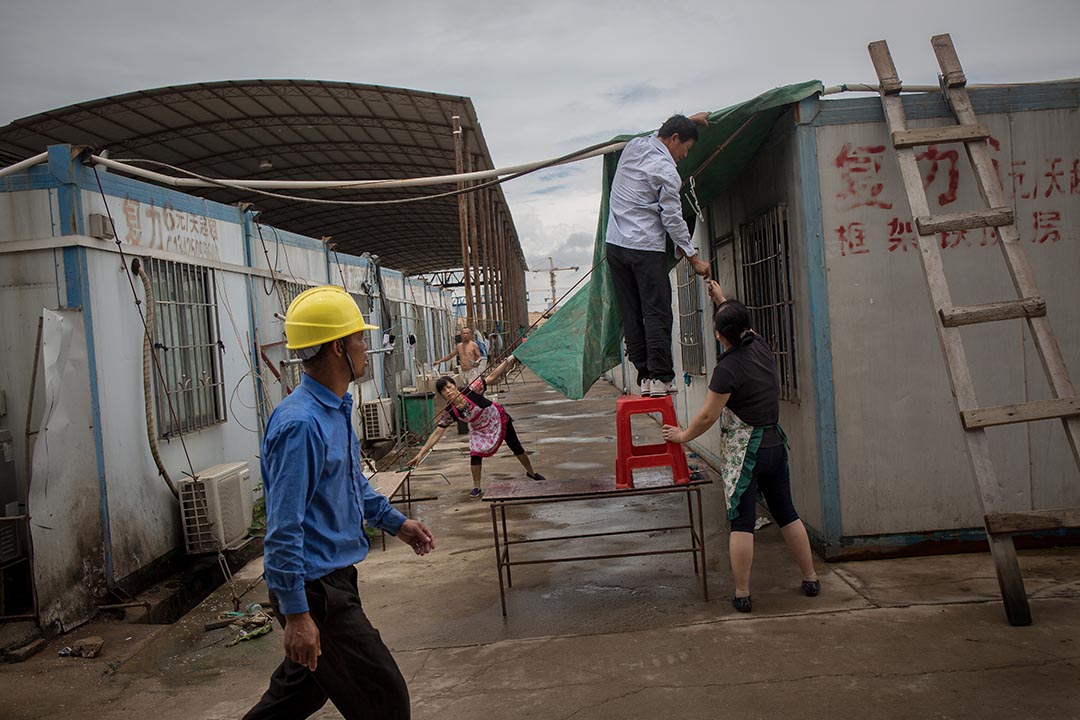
142	318
570	157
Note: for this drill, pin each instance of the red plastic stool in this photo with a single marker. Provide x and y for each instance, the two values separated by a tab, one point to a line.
630	457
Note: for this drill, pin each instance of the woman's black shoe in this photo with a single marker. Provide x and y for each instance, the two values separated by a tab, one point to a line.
742	604
811	587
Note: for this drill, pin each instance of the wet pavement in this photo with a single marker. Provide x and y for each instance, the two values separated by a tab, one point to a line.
621	638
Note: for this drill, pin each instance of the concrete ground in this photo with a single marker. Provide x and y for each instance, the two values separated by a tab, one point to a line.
630	638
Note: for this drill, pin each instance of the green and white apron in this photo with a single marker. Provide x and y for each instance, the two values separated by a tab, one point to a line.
739	445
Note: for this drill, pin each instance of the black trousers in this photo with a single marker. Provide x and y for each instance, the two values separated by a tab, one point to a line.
356	671
772	478
643	293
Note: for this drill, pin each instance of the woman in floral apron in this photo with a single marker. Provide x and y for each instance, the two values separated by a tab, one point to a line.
489	425
744	395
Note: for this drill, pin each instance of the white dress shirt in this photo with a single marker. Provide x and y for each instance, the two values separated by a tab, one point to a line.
645	199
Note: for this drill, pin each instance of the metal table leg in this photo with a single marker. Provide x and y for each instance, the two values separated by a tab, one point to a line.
498	559
693	542
506	546
701	542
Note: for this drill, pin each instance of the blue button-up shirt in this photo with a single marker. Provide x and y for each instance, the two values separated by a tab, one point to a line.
316	494
645	199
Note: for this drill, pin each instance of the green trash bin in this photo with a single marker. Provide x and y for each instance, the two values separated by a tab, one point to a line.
418	409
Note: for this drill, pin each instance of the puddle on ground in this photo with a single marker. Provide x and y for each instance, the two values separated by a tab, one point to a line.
574	440
579	466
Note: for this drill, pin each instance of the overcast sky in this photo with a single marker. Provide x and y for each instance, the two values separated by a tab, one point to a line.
545	77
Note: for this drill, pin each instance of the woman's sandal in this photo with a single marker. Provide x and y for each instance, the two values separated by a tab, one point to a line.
742	604
535	476
811	587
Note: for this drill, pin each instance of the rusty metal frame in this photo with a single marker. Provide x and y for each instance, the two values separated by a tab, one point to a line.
503	563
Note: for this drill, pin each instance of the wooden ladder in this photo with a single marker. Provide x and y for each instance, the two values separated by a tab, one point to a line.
1000	525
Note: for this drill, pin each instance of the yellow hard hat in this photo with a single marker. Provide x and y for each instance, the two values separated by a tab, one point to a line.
320	315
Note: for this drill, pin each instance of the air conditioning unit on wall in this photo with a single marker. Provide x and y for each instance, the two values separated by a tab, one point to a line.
216	507
378	421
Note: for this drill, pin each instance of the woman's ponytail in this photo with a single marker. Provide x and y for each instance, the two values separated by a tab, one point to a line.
732	321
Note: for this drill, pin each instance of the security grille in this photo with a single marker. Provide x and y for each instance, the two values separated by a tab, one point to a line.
693	356
188	346
420	350
765	265
292	372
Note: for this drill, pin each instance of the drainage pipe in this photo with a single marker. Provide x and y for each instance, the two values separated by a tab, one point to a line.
148	349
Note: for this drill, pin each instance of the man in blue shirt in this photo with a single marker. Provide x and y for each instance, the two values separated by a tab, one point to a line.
316	501
645	205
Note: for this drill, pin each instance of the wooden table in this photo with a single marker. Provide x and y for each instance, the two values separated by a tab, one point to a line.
515	493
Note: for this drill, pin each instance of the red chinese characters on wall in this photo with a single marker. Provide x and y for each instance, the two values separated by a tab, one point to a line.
864	184
1047	226
860	173
852	239
902	235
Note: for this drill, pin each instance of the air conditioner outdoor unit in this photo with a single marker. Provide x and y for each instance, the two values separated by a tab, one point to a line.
216	507
378	423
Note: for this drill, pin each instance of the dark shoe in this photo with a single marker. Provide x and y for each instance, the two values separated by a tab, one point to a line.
475	492
811	587
535	476
742	604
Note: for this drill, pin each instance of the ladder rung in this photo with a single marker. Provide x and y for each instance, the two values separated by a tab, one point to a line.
990	217
990	312
886	70
952	75
1032	520
935	135
1020	412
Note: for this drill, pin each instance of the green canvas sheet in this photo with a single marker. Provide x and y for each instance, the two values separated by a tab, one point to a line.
580	341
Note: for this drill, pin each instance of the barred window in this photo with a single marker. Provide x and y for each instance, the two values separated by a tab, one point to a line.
420	349
292	372
188	346
765	265
722	266
693	355
289	291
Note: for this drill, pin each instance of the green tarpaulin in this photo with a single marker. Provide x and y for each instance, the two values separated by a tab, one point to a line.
580	341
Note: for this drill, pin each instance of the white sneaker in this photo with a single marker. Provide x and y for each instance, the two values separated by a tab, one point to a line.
659	388
645	388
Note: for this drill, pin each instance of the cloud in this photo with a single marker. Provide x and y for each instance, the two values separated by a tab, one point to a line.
635	92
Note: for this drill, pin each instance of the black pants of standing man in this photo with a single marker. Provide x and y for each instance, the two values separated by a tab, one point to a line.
643	293
356	671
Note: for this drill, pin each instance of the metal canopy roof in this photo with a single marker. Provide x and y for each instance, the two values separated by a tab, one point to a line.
293	130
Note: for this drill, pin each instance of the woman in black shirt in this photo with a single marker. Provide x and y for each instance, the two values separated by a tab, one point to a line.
755	448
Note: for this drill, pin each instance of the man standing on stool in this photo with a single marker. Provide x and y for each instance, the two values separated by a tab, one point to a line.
316	499
645	203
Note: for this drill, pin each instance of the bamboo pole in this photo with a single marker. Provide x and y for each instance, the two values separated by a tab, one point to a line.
474	253
463	220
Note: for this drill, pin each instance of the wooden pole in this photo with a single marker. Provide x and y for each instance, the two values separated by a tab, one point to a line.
463	221
485	251
474	267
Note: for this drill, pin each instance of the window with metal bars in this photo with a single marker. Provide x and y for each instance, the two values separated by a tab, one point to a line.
188	346
293	371
693	354
764	254
420	352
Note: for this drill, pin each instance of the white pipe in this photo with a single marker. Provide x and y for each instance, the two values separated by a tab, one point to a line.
22	165
341	184
869	87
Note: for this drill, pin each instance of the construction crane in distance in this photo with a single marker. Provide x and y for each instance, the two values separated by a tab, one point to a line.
551	270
